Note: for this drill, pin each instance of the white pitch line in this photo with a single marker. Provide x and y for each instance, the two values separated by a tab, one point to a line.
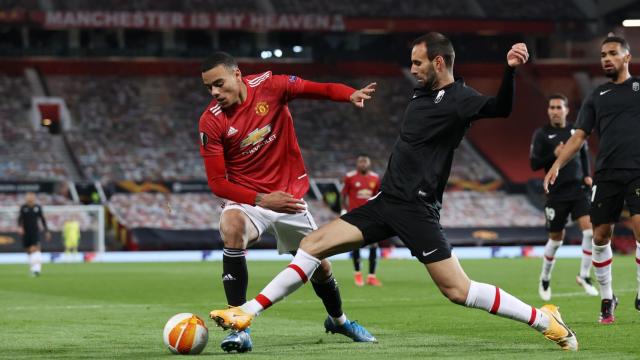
76	307
579	293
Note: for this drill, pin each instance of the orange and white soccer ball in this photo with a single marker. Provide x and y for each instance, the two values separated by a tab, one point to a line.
186	333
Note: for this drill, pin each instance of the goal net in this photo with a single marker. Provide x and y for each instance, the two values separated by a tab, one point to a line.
90	217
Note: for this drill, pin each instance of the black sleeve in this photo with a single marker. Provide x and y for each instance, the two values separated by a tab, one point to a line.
587	115
479	107
537	157
584	159
20	217
44	221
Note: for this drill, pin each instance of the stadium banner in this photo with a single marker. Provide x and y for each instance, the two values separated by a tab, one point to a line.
161	20
161	187
177	20
12	242
152	239
503	235
12	16
31	186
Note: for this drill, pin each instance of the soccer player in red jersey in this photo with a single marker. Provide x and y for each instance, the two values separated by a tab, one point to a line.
359	186
252	159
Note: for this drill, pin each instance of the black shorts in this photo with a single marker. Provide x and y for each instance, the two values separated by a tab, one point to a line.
415	223
556	212
29	240
611	189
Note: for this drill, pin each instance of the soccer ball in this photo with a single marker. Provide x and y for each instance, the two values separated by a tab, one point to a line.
185	333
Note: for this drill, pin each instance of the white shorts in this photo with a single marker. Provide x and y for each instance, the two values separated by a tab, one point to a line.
288	229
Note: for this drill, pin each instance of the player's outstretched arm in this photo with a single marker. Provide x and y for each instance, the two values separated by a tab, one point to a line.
479	107
569	150
336	92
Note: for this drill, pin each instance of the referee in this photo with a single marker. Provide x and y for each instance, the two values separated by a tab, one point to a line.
613	111
437	116
30	213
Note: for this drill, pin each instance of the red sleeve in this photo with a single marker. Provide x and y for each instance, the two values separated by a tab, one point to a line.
331	91
218	183
211	131
345	188
295	87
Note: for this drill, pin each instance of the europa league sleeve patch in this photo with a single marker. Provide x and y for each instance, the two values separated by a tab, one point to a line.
204	139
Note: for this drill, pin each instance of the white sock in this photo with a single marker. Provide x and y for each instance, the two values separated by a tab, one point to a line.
602	258
339	320
638	265
549	258
501	303
31	258
38	261
585	263
285	283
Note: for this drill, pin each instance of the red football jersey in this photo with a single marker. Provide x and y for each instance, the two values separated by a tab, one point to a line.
257	137
359	188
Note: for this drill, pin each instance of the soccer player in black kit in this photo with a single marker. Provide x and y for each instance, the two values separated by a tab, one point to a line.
434	123
613	111
569	196
30	214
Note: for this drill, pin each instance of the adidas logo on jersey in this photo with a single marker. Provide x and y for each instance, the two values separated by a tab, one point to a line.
232	131
228	277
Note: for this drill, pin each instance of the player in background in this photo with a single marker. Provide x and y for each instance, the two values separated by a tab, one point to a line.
252	159
437	116
359	186
613	111
569	196
29	220
71	235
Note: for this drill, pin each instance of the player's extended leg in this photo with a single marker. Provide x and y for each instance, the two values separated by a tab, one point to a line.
326	287
373	262
452	281
602	258
584	278
336	237
35	259
357	276
635	220
237	231
548	261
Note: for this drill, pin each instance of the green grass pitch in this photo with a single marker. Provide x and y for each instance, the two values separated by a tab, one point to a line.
111	311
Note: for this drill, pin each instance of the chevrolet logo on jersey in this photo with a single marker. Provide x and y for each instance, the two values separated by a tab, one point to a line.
255	136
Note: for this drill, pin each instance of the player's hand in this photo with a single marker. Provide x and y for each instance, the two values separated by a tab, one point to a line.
47	235
282	202
551	177
20	231
518	55
558	149
588	181
359	96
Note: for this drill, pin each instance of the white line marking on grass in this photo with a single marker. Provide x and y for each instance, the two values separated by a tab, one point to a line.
580	293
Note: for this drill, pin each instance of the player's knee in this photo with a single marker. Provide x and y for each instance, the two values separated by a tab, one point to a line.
602	235
323	272
556	236
311	243
232	229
